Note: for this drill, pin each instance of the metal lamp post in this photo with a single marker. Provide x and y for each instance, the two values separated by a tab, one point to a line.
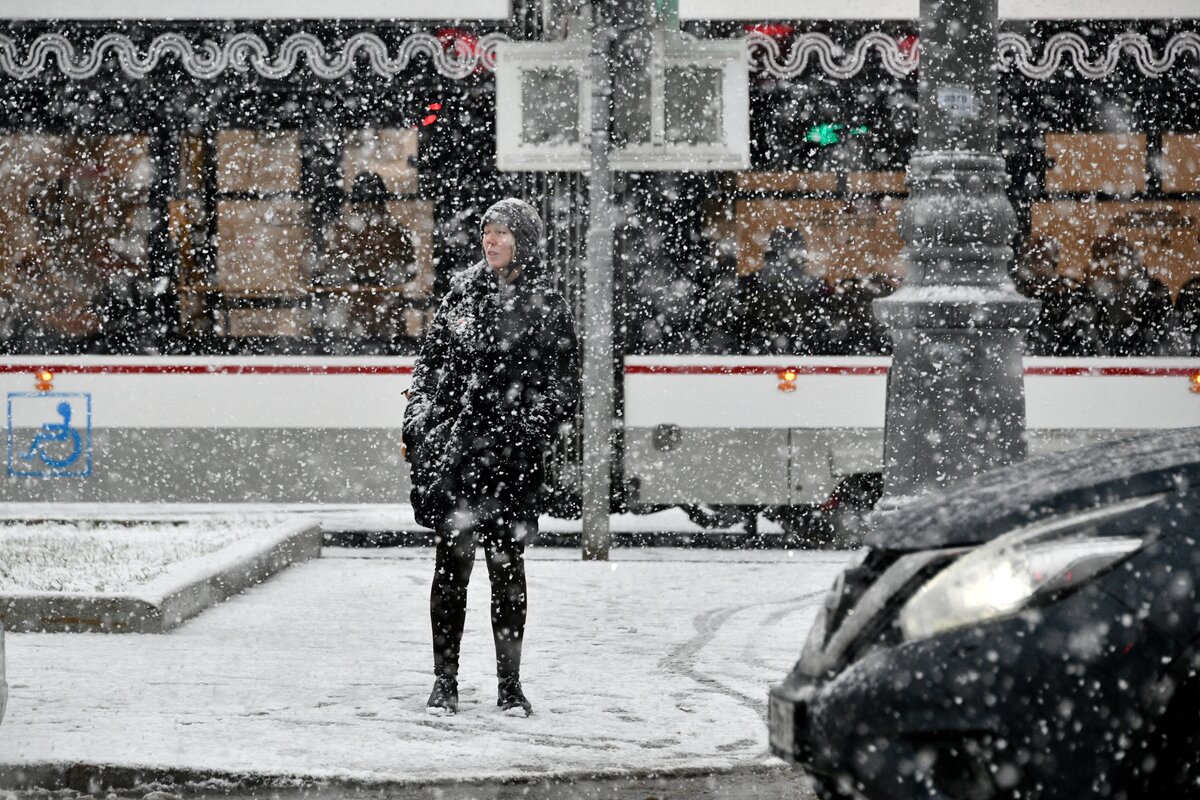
955	396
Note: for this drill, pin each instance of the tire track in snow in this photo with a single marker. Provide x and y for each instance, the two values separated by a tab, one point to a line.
681	660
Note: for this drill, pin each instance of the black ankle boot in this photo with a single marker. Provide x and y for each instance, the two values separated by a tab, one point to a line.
511	698
443	700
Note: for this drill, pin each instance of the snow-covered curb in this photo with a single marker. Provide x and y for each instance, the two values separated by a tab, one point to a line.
171	598
87	778
344	518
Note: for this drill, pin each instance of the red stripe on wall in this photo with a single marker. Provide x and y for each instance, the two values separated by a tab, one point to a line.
728	369
763	369
1108	372
207	369
631	369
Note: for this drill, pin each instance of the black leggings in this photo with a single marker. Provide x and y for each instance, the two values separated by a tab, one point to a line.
504	545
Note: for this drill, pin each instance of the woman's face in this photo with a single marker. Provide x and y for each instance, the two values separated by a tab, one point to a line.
499	246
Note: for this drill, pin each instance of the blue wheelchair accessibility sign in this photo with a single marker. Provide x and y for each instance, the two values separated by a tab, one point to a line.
49	435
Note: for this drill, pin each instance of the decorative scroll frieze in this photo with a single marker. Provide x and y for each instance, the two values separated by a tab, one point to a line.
1061	51
1070	49
827	55
248	52
243	52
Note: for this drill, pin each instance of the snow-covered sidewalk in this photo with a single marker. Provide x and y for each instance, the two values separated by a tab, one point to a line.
656	660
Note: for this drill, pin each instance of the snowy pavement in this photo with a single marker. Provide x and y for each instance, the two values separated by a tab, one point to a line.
658	660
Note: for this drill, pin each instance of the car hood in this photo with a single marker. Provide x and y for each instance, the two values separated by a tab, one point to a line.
980	508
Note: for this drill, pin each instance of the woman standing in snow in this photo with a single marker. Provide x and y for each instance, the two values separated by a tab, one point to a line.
497	375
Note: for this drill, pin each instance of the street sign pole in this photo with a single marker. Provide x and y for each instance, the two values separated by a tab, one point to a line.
556	110
955	396
598	388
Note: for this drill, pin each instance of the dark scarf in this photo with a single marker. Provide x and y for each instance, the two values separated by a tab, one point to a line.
492	313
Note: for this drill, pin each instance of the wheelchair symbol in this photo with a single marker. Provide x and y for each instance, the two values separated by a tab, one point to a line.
60	448
56	432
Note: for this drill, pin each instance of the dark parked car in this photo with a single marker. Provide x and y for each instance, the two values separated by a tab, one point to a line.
1031	632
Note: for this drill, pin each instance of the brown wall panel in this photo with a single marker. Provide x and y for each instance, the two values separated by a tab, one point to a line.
1096	162
1180	162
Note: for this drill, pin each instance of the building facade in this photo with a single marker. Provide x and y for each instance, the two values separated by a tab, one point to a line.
187	185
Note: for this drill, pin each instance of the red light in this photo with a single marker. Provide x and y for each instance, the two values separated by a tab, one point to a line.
432	118
434	106
776	30
462	43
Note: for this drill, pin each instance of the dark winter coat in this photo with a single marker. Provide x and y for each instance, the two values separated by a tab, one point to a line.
1187	317
1133	316
497	376
1068	318
853	328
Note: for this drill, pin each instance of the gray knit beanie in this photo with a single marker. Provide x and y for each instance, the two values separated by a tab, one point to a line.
527	229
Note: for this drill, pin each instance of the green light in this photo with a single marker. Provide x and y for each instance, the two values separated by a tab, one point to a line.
824	134
828	133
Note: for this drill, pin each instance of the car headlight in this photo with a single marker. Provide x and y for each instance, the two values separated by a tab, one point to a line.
1002	576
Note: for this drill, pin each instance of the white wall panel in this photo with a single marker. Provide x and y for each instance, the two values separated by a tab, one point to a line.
1060	394
236	393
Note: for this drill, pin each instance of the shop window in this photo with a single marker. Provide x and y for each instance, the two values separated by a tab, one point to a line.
1108	163
376	274
1162	235
76	221
804	274
264	234
253	260
1112	276
842	238
252	278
